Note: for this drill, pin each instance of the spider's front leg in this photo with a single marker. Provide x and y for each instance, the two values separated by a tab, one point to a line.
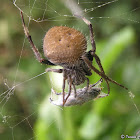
102	73
92	52
102	70
35	50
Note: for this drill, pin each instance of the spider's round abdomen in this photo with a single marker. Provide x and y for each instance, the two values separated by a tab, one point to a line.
64	45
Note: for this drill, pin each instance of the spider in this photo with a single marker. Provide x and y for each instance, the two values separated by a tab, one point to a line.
66	47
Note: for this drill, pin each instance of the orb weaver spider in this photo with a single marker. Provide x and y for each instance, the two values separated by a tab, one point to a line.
66	47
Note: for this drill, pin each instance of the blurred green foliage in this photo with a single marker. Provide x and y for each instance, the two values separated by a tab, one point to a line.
27	113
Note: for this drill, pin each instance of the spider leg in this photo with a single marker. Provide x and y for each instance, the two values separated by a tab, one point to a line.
54	70
70	84
63	86
101	73
102	70
94	50
100	80
91	32
35	50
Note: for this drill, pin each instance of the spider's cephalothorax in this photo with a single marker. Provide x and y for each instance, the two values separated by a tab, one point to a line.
77	73
66	47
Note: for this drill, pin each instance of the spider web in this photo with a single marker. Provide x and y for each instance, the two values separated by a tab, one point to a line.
23	103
